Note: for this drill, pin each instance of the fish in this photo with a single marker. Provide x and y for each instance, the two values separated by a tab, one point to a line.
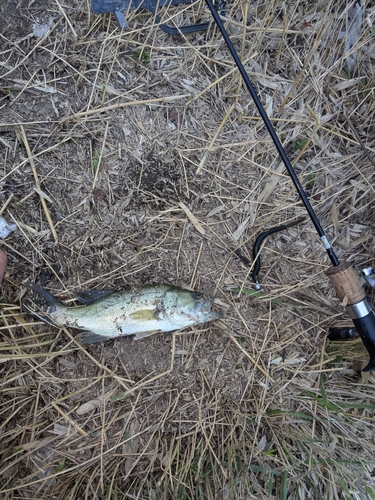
108	314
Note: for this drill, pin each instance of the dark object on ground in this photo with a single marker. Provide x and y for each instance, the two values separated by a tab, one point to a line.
119	7
257	247
3	264
258	244
342	333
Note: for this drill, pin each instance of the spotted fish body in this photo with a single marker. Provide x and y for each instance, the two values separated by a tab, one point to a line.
143	311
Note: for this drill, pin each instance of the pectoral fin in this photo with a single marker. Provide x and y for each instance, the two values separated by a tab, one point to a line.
143	335
89	296
89	338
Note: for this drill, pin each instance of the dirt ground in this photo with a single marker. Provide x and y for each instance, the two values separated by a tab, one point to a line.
109	139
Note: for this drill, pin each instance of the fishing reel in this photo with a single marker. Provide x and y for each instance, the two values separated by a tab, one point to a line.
349	290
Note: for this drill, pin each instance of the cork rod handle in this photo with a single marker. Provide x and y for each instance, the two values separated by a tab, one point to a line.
346	284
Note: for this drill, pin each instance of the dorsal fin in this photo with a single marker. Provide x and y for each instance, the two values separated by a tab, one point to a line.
89	296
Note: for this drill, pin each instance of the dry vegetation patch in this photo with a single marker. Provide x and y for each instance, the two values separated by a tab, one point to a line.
109	140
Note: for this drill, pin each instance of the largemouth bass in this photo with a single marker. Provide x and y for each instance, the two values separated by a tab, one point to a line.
142	311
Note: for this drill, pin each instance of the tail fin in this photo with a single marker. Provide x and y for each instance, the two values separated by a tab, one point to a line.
34	310
28	307
48	297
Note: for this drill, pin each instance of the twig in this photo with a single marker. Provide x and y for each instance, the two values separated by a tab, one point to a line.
6	204
219	129
100	158
66	18
125	105
37	183
68	419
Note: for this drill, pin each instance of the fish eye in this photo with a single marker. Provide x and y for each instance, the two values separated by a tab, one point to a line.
196	295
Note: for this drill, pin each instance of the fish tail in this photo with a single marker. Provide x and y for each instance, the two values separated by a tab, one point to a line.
48	297
27	306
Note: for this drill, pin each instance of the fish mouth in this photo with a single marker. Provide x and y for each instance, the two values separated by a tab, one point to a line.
203	308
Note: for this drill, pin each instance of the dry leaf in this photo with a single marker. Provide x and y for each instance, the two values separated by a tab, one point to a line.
271	184
216	210
91	405
241	228
198	226
131	446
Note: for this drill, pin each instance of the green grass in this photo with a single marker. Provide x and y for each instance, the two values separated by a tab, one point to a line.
142	55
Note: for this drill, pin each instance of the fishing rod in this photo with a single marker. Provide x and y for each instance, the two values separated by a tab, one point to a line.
341	275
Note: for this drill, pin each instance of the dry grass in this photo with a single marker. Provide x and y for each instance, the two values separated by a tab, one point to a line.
137	157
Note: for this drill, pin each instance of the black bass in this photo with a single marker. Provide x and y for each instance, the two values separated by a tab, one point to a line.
142	311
